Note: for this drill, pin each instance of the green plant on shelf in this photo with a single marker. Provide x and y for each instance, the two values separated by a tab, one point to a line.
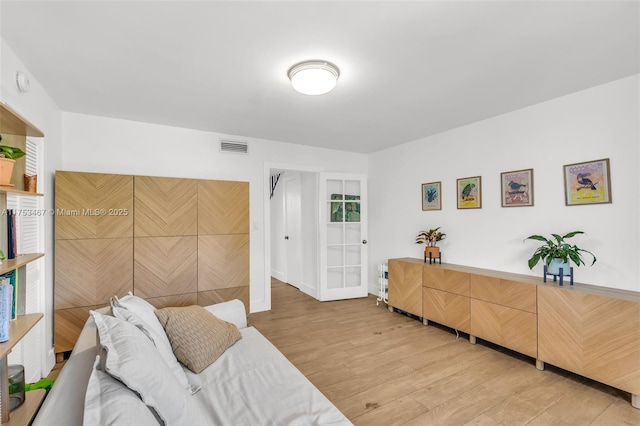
10	152
558	248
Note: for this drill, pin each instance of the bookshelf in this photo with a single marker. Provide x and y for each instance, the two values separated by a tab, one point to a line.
17	330
14	129
20	261
11	190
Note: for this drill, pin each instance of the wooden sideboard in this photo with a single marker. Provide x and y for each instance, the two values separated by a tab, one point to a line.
589	330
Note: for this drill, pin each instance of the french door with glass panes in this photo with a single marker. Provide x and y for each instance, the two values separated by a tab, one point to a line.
343	236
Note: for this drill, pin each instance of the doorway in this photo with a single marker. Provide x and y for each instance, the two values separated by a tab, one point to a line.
294	231
307	245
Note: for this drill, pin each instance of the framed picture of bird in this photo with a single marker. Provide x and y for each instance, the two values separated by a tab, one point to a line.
469	192
431	196
587	183
517	188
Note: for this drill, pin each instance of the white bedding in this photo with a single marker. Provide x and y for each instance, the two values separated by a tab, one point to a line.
251	371
252	383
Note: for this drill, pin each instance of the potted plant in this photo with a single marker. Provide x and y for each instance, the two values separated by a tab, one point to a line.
430	238
8	157
557	253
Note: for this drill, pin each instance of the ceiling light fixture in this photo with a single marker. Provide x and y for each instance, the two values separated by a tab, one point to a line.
314	77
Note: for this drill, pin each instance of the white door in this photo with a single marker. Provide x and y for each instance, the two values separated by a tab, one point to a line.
343	236
293	231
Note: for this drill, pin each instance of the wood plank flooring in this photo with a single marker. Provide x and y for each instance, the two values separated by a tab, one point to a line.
383	368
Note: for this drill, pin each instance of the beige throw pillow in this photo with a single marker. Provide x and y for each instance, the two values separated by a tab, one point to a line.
197	336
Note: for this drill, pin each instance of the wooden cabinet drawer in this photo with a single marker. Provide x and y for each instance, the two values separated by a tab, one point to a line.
90	271
592	335
508	327
405	286
446	308
446	280
503	292
69	324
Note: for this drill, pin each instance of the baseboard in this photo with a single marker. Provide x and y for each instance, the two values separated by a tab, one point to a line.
279	275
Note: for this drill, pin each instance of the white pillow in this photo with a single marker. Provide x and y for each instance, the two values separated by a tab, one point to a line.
144	317
109	402
133	359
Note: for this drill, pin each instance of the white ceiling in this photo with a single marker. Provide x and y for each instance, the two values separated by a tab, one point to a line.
408	69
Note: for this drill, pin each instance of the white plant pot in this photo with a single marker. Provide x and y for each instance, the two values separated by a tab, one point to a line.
556	264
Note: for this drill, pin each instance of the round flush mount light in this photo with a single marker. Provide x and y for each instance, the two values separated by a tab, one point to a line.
314	77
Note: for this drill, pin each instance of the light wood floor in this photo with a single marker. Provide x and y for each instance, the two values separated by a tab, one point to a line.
383	368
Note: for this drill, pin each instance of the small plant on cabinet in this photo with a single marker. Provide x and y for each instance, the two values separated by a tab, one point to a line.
558	253
430	238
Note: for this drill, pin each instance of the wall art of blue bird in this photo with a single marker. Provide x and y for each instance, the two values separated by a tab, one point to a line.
585	181
466	191
515	186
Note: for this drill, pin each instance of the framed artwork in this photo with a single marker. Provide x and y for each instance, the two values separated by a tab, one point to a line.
469	192
587	183
517	188
431	196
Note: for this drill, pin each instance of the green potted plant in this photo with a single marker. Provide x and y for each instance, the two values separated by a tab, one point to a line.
8	157
430	238
557	253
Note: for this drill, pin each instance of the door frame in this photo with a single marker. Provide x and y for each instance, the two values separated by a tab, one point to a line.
268	167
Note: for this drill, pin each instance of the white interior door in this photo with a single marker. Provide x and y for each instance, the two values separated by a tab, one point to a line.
293	231
343	236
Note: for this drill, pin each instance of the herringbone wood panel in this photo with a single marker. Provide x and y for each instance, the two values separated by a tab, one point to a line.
187	299
446	308
93	205
165	266
223	261
446	280
206	298
223	207
68	325
405	286
504	292
165	206
512	328
570	320
89	272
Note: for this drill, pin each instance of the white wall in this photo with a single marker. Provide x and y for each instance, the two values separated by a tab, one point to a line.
106	145
38	107
601	122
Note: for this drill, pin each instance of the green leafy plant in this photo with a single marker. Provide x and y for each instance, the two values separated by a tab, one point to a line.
558	248
10	152
430	237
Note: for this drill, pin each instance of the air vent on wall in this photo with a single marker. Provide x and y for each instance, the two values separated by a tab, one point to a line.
235	147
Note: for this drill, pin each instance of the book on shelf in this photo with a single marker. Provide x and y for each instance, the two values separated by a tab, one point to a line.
12	249
11	278
6	296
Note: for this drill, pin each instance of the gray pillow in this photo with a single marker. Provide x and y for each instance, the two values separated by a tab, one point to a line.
197	336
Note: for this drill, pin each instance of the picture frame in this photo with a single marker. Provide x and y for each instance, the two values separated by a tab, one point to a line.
517	188
431	194
469	192
588	182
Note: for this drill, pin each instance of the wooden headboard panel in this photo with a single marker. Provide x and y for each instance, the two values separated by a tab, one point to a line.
172	241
